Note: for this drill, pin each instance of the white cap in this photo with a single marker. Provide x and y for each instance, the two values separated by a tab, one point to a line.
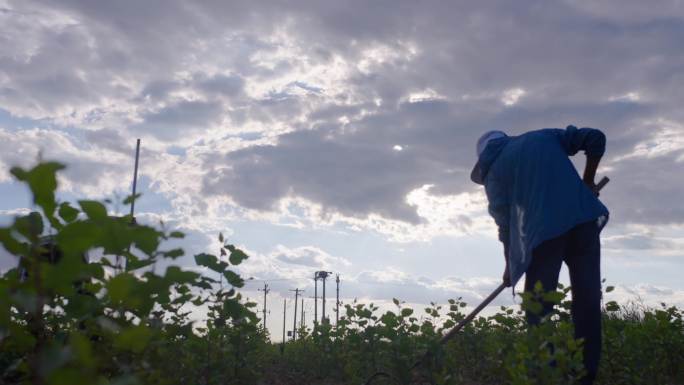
476	174
485	138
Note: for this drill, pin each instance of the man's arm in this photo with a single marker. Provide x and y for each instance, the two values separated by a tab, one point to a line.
590	172
589	140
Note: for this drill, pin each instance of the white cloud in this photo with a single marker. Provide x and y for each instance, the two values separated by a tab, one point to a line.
15	212
628	97
512	96
423	96
646	295
667	138
656	241
374	57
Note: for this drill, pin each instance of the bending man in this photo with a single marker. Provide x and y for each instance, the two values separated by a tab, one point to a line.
547	215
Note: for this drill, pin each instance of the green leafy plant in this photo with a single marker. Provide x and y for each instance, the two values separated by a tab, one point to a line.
69	318
88	304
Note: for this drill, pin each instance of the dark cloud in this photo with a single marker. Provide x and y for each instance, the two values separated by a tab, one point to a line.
355	169
633	242
181	118
306	256
356	173
595	64
221	84
109	139
647	190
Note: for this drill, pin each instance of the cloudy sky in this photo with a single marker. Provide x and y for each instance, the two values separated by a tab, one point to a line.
339	135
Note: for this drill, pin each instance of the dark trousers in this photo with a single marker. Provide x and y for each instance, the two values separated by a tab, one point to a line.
580	249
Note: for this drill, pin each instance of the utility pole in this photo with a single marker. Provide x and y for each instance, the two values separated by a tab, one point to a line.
323	275
135	179
282	347
294	323
121	264
301	319
337	305
315	299
265	290
323	302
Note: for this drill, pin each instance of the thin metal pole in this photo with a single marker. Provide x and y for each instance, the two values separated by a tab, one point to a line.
301	319
294	323
315	299
282	346
323	302
120	264
265	290
337	304
135	179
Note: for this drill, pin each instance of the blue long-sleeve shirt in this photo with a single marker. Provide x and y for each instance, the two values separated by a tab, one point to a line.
535	192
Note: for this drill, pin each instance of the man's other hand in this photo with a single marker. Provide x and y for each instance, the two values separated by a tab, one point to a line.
592	186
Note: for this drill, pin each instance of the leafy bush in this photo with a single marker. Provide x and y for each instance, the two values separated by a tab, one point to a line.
115	320
66	318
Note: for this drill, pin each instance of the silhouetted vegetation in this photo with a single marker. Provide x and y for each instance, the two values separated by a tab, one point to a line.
87	305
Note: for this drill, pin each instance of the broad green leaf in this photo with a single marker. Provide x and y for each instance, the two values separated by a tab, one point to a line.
233	309
137	263
67	213
204	283
30	226
78	237
123	289
205	259
176	234
609	289
211	262
553	296
10	244
233	278
534	307
146	238
93	209
198	301
173	253
406	312
134	338
612	306
42	181
237	256
176	275
129	199
61	277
